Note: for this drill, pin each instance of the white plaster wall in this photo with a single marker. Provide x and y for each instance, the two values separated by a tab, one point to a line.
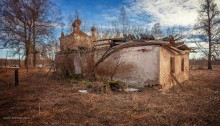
143	65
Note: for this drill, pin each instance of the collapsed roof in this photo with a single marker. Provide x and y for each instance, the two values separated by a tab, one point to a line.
144	40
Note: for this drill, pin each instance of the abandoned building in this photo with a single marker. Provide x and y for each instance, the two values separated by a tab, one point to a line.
138	61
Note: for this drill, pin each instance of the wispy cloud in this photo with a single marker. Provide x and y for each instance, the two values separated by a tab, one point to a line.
167	12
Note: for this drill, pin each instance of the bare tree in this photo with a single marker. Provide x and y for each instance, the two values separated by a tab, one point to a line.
137	30
208	26
6	60
123	19
110	66
27	23
14	25
177	32
70	20
45	16
156	30
122	26
116	28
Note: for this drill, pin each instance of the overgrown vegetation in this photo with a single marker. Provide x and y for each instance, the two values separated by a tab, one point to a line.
41	100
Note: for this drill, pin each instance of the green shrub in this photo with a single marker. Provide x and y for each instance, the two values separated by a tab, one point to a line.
116	85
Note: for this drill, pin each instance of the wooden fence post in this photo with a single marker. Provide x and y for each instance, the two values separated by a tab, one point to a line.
16	77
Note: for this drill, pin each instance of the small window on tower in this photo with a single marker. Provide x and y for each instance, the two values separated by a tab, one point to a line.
182	65
172	65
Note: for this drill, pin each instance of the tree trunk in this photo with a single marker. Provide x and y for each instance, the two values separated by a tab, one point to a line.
27	60
27	54
19	60
34	56
34	44
210	39
210	56
210	49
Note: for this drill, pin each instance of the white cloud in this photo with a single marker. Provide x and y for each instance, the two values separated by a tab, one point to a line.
197	54
168	12
218	3
194	45
191	40
109	17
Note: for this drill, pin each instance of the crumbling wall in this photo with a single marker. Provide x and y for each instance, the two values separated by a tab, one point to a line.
166	79
87	63
74	40
77	38
140	65
76	62
65	64
137	66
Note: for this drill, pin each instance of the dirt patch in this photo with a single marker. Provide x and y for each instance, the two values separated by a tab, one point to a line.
40	100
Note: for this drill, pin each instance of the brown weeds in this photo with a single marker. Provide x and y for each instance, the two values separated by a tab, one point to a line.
40	100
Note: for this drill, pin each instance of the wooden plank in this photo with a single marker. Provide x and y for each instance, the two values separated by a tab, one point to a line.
101	44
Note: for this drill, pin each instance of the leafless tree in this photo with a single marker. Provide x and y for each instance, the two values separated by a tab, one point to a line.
112	65
6	60
122	26
123	19
70	20
27	23
45	16
116	28
178	32
208	26
156	30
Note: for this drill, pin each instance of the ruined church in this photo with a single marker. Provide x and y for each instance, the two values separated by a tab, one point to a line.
137	60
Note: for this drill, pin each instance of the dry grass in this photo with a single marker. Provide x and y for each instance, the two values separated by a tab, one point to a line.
40	100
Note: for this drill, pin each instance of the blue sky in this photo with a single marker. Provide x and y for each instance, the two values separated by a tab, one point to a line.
92	11
140	12
145	13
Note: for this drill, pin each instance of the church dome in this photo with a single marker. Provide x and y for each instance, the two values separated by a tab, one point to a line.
93	28
76	23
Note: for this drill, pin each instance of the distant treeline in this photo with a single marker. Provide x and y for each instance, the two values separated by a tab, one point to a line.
201	63
9	62
15	62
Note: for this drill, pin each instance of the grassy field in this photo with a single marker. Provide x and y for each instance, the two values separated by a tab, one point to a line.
42	100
